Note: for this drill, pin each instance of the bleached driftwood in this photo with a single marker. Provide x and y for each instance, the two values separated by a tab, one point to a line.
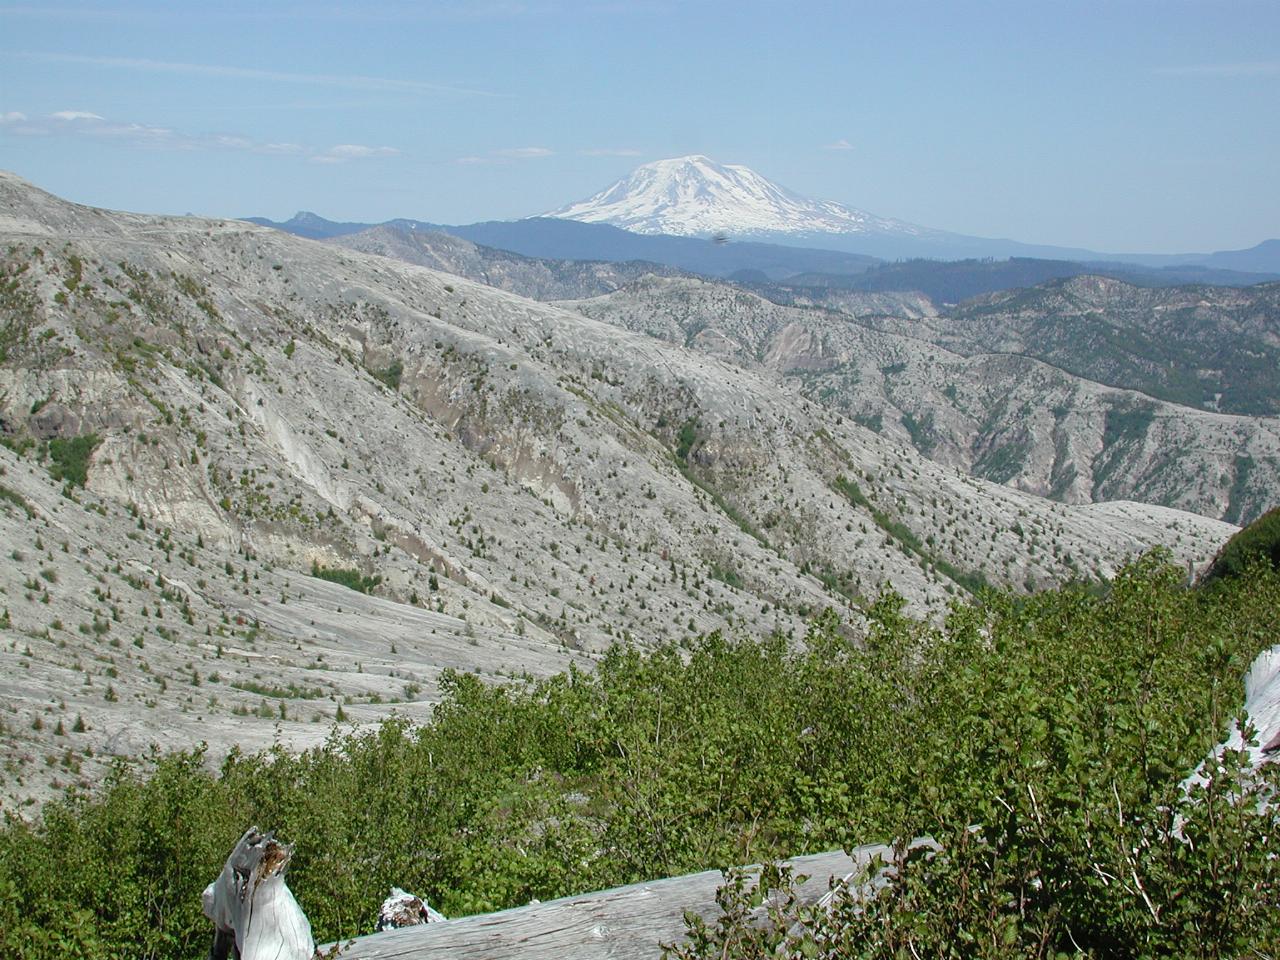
626	923
254	914
403	909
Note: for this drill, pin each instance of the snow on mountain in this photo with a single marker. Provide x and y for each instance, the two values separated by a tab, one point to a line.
695	196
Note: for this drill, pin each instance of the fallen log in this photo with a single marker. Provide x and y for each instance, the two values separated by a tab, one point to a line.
625	923
252	910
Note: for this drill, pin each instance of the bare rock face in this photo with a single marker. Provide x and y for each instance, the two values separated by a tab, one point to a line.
309	481
994	410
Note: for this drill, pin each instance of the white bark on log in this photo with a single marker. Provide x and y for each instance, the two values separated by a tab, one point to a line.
252	909
626	923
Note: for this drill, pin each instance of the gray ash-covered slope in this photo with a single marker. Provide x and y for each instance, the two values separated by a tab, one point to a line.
1009	418
533	277
1209	347
517	484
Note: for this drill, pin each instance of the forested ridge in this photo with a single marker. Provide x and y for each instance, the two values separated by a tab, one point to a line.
1041	740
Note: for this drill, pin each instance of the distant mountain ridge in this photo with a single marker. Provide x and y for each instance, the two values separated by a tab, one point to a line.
954	281
551	239
696	196
548	238
666	211
534	277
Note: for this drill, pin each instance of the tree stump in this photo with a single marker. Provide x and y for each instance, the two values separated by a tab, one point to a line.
255	916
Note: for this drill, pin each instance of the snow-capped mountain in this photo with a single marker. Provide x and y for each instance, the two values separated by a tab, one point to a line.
695	196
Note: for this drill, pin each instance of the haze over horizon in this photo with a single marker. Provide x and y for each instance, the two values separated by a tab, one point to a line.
1120	127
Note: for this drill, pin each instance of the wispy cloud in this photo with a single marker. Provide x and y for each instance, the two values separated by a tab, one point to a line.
610	152
523	153
1256	68
353	151
84	123
506	155
350	82
841	144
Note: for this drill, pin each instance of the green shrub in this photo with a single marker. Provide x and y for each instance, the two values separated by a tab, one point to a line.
1260	540
347	576
1061	724
70	458
391	374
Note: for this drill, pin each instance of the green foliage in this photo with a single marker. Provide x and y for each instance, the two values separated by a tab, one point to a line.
70	458
290	692
726	574
851	491
894	528
921	432
391	374
1128	423
347	576
1061	724
873	421
1068	764
1237	497
1000	464
685	440
1260	540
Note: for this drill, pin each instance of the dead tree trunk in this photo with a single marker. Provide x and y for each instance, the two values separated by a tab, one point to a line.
254	915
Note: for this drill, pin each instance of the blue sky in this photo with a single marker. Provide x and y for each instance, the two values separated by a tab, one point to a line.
1119	126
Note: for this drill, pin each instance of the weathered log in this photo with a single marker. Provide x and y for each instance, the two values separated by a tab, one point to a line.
625	923
252	910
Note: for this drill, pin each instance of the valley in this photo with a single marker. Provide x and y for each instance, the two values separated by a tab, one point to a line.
1006	396
503	486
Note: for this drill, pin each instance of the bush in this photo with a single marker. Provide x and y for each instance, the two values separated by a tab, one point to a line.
1061	724
1260	540
348	577
71	458
391	374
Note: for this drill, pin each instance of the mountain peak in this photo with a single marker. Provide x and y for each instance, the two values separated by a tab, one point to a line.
697	196
307	217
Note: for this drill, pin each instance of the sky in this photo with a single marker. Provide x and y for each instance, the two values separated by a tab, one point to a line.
1120	126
